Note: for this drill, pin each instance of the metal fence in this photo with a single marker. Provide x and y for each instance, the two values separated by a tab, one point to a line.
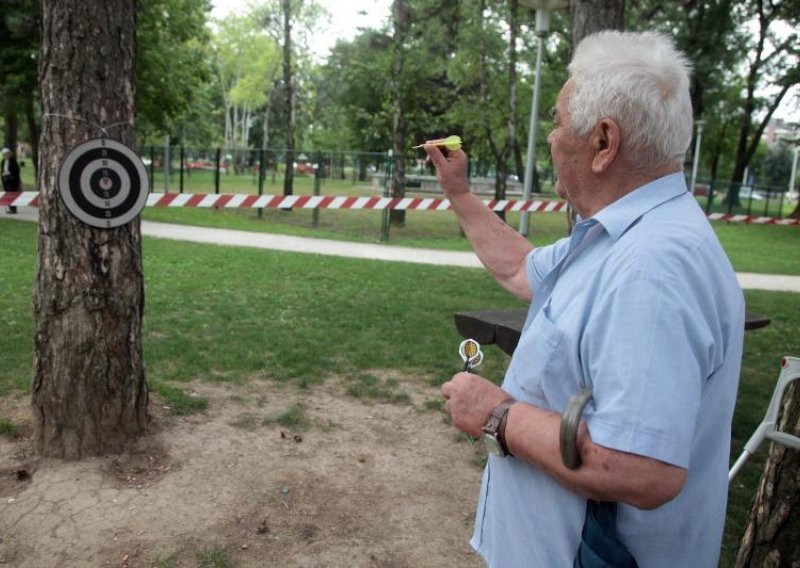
718	196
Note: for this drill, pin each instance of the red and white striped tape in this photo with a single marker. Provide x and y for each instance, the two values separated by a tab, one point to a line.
229	201
333	202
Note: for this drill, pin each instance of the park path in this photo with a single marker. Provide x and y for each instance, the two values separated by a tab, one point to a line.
288	243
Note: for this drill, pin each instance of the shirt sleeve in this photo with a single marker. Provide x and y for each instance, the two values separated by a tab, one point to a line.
647	349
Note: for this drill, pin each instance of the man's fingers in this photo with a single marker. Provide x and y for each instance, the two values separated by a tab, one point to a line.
447	389
435	155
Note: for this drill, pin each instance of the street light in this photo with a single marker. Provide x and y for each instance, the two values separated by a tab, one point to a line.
543	9
794	168
699	124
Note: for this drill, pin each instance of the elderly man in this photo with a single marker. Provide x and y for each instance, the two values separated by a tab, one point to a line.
639	304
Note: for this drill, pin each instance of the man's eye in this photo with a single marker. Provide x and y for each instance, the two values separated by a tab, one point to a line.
552	113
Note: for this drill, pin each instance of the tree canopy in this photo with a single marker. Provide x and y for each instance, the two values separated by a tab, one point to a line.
461	67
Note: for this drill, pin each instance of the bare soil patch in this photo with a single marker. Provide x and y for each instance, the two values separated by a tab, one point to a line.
363	484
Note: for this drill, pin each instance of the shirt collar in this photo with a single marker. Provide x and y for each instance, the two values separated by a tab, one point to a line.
617	217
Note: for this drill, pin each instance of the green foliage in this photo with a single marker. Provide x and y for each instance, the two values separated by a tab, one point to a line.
172	64
19	53
775	166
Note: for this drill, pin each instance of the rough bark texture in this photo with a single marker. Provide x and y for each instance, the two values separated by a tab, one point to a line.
770	537
590	16
89	394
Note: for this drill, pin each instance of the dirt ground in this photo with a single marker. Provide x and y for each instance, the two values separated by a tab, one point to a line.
366	484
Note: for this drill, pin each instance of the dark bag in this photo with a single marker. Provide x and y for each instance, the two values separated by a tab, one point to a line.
600	547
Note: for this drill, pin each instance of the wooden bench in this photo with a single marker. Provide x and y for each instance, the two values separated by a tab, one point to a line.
503	327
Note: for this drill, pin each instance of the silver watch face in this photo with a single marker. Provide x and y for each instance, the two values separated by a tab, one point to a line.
492	444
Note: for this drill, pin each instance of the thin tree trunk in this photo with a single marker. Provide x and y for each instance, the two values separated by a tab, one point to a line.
501	182
89	394
288	178
11	131
770	537
33	130
401	22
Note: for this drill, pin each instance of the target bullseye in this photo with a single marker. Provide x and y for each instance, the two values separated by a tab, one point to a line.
103	183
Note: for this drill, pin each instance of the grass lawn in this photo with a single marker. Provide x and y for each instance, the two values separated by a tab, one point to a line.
230	314
746	245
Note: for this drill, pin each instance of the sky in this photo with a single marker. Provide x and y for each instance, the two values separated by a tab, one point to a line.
346	17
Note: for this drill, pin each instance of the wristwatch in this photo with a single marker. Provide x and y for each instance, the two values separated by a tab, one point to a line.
495	429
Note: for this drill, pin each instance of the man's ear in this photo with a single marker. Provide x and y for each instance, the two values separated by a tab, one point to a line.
605	144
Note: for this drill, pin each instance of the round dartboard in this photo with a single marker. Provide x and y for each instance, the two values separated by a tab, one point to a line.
103	183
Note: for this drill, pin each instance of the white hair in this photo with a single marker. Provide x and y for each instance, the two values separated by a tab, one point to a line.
641	81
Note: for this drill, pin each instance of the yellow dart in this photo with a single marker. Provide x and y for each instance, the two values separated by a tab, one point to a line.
451	143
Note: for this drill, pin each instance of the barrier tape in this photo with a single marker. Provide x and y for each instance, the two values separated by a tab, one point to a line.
228	201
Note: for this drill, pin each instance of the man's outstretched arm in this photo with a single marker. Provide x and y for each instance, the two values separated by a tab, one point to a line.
498	246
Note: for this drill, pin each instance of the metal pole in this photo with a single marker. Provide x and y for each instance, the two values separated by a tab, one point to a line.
166	164
387	185
794	169
697	142
261	180
529	165
181	169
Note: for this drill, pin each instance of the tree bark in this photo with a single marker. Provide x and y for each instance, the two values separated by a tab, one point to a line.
401	16
770	537
33	130
288	177
89	394
591	16
11	131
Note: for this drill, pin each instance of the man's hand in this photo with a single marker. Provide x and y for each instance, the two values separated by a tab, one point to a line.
451	169
469	400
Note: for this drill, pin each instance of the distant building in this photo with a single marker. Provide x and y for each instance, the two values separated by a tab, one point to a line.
778	129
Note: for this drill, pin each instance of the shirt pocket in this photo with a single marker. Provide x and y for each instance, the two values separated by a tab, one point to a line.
537	361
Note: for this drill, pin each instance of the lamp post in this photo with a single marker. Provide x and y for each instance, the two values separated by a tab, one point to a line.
699	124
543	9
794	167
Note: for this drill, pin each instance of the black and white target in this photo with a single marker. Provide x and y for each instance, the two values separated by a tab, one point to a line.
103	183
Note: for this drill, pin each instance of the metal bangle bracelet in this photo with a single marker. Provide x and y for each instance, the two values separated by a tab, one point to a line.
568	434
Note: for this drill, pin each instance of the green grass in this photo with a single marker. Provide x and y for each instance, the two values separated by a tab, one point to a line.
214	557
368	386
8	428
232	314
427	229
177	400
293	417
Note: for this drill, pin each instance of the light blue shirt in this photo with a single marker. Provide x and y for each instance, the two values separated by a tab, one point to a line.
641	305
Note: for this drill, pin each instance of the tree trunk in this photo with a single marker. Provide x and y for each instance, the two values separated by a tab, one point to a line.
11	131
89	394
288	177
587	17
511	134
591	16
33	130
770	537
400	11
